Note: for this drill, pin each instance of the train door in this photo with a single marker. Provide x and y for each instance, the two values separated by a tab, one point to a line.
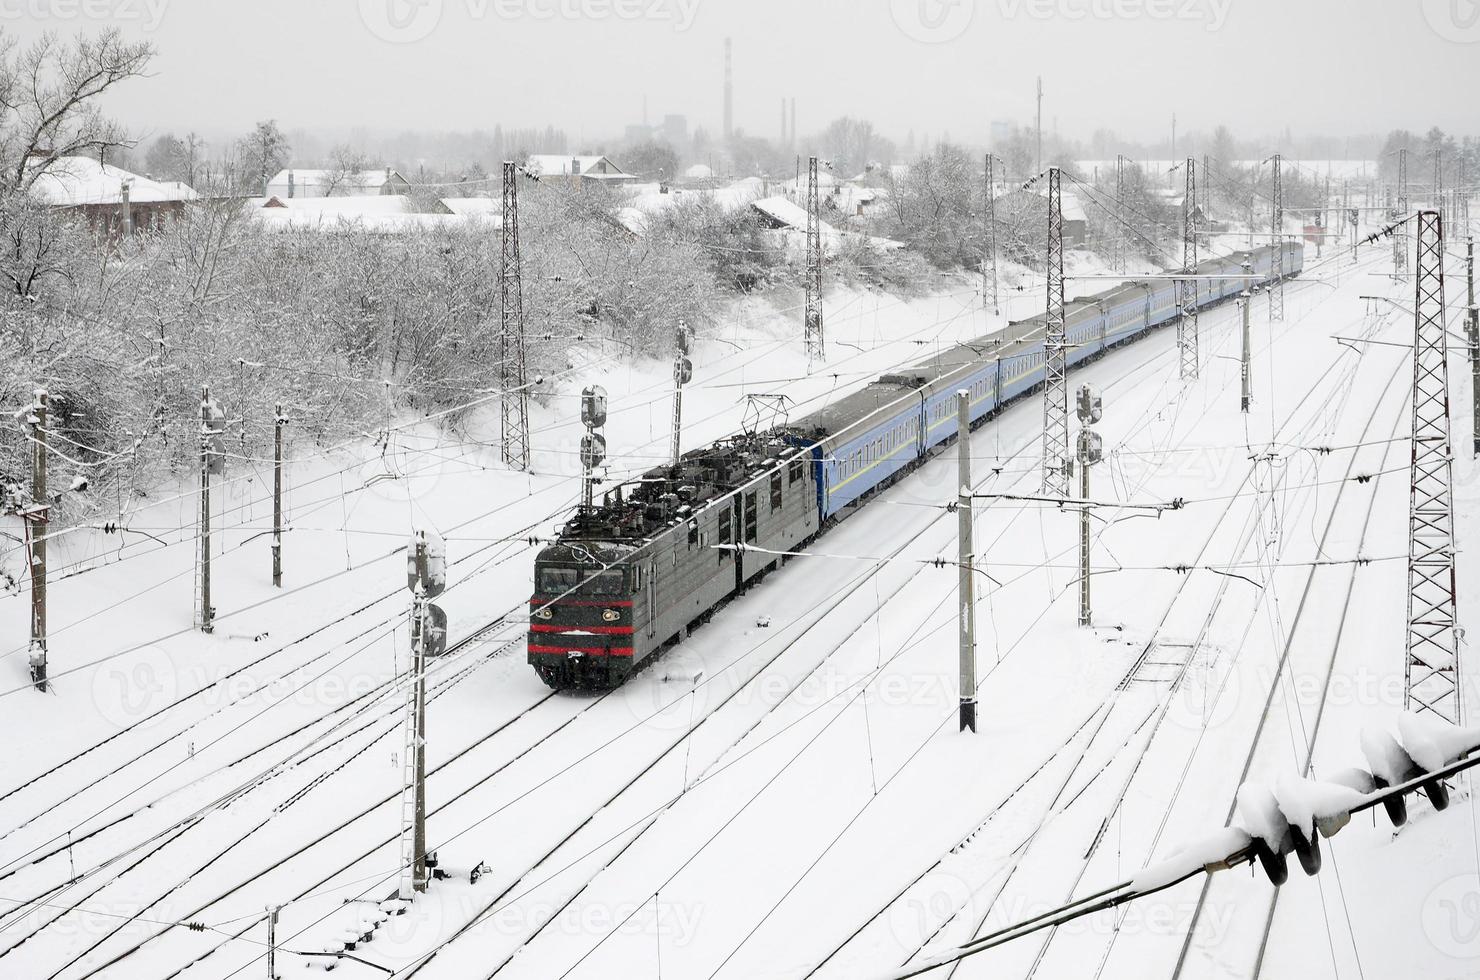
740	536
651	590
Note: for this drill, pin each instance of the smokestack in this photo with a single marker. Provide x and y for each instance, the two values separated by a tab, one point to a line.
729	105
783	122
793	121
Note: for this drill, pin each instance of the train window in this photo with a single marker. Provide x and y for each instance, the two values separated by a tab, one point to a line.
724	526
693	532
750	516
776	490
795	470
555	580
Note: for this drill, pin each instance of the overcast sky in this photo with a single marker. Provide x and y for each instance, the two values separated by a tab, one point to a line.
1318	66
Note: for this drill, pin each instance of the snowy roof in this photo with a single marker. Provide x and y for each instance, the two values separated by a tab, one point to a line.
794	218
75	181
386	213
468	207
787	213
595	167
698	171
359	178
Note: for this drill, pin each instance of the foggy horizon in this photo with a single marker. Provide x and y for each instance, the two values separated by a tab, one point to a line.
589	66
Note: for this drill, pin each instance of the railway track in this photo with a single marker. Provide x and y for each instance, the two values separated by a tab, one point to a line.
326	880
1015	794
645	823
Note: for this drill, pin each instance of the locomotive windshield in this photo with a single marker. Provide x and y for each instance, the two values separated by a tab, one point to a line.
558	580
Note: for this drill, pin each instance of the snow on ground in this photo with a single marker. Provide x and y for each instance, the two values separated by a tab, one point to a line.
821	773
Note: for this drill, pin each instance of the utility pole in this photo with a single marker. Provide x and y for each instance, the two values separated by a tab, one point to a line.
278	423
1400	240
1431	672
1090	451
38	521
1277	239
813	324
514	400
1472	331
1245	302
966	560
1039	167
1055	374
1187	288
212	424
272	920
413	760
1120	243
683	372
989	263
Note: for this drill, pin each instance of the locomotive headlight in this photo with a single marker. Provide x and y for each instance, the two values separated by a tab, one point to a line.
610	615
544	613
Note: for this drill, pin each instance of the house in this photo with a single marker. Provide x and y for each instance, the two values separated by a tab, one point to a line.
384	214
577	170
780	214
1026	215
113	200
294	183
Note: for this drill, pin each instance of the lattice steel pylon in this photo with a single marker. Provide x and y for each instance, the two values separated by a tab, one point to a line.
1055	373
1400	239
1277	242
514	400
1187	291
989	259
813	323
1431	680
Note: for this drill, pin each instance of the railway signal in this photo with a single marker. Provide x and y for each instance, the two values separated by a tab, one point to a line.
426	577
1090	450
683	373
593	443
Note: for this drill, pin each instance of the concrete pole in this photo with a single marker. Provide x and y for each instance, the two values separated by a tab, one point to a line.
1084	610
277	496
206	625
966	599
37	518
1472	329
1245	304
419	873
272	919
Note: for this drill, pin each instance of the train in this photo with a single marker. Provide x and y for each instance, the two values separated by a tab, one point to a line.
655	558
